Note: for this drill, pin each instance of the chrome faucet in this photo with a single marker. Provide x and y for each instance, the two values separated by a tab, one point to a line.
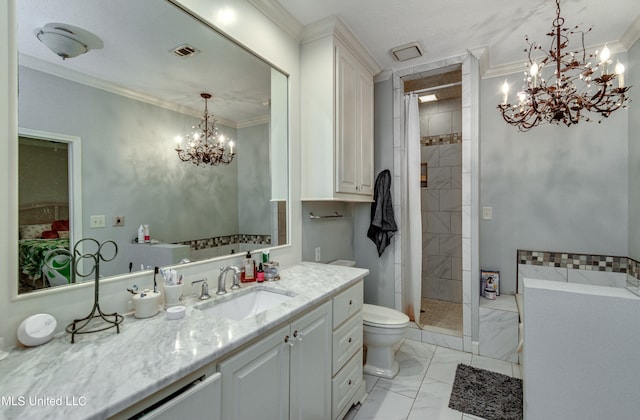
221	279
204	293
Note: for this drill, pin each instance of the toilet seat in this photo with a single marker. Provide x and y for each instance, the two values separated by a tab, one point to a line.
380	316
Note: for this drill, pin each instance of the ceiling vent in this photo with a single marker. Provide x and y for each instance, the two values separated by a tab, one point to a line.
407	51
185	51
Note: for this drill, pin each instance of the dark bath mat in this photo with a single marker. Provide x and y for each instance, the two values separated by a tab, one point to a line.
490	395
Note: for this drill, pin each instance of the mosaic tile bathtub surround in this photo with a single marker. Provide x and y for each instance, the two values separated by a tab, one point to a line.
577	261
587	262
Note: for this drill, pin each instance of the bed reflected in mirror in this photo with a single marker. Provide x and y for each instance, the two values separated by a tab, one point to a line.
45	214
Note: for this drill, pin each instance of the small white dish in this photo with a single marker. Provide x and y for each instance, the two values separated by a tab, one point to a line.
176	312
36	329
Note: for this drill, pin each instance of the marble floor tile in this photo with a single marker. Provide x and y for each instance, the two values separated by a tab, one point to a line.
433	402
493	365
414	359
422	388
384	405
444	363
370	382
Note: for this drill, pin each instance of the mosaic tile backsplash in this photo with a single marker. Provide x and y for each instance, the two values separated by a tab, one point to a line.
588	262
198	244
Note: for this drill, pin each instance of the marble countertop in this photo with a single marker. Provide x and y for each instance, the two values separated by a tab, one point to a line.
101	374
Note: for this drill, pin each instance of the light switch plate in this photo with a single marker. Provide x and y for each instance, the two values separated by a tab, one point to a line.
97	221
487	213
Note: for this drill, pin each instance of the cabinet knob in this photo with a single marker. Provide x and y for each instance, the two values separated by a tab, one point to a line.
287	340
349	383
350	302
298	335
349	340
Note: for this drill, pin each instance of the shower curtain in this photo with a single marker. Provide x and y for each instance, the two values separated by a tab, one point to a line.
413	256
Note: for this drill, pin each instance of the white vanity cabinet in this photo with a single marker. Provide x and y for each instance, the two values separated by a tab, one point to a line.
337	114
285	375
347	382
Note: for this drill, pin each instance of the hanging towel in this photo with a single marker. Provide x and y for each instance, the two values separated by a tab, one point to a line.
383	223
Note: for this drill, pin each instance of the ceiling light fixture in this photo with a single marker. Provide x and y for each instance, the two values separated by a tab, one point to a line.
206	145
430	97
64	40
555	98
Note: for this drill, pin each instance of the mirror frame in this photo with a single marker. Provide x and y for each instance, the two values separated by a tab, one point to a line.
12	89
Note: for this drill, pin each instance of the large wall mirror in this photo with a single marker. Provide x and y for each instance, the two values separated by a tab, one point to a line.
125	101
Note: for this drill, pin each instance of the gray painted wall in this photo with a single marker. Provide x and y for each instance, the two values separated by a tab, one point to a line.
632	77
130	168
553	188
334	236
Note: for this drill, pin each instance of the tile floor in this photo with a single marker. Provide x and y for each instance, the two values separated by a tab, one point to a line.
422	388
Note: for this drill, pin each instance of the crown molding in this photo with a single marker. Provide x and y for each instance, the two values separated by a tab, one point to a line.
255	121
631	35
77	77
383	76
273	10
335	26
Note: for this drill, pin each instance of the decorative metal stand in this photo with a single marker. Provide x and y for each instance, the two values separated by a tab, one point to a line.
96	312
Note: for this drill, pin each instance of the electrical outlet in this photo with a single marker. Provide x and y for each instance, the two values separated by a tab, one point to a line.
318	254
97	221
118	220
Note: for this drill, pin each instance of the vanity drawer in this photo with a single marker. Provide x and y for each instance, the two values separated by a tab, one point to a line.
346	341
346	383
347	303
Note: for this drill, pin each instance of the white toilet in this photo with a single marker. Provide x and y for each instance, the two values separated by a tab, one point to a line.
383	329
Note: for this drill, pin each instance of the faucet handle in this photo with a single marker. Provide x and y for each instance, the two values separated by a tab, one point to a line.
204	293
236	277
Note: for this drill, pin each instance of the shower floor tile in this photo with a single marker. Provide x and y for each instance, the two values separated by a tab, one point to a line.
441	315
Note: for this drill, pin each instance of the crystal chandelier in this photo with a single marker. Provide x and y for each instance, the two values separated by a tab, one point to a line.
556	98
206	145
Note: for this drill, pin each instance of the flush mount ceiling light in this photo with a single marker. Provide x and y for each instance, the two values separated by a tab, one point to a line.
407	51
206	145
564	86
67	41
430	97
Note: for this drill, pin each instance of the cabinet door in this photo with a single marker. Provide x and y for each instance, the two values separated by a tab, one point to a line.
255	381
200	401
365	140
347	125
311	365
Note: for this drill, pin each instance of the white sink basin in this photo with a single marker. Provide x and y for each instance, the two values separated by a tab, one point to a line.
245	305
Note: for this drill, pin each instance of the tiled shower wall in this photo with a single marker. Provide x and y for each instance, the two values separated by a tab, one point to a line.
441	200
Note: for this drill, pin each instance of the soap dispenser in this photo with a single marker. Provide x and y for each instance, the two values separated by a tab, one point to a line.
248	273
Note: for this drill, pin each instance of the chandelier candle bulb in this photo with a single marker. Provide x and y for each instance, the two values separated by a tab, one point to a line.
620	74
534	74
505	92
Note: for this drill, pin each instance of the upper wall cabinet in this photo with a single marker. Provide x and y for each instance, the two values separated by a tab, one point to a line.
337	114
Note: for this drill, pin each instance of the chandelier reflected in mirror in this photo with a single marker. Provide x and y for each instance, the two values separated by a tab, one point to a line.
206	145
564	86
